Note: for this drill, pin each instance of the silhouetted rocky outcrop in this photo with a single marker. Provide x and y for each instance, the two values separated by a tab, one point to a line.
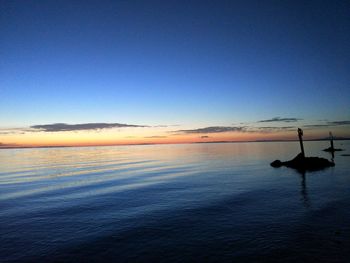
330	149
302	163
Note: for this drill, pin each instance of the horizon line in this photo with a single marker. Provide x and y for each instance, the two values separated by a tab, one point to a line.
168	143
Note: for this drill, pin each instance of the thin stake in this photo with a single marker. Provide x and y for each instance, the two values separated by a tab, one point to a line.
331	140
300	134
332	146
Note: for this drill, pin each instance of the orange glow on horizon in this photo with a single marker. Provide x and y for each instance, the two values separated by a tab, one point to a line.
144	136
91	139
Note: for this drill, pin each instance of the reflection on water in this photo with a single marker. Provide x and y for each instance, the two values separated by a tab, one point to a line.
194	202
303	191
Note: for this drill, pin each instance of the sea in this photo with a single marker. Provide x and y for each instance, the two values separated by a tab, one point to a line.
208	202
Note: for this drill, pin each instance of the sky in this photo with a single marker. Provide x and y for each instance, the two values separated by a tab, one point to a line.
131	72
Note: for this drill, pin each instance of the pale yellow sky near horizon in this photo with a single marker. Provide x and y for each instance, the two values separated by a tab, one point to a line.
144	135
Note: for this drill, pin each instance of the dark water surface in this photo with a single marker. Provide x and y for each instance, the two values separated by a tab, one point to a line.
173	203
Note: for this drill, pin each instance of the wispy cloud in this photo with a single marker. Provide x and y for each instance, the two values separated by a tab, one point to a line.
59	127
5	132
328	124
63	127
8	131
337	123
316	125
205	137
166	126
6	144
279	119
212	129
268	129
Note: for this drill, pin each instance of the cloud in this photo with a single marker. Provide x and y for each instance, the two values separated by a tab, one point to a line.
212	129
6	144
315	125
61	127
166	126
58	127
328	124
275	129
245	129
338	123
278	119
7	131
155	137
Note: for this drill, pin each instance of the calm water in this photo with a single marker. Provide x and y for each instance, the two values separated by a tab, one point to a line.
173	203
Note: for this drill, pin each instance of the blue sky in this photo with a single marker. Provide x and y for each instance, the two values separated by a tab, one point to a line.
192	63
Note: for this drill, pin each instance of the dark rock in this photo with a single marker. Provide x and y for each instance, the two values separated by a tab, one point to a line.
276	163
302	163
330	149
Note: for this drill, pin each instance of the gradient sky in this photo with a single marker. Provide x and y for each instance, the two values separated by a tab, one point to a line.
173	67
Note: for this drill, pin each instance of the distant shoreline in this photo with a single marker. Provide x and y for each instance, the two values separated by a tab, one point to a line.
140	144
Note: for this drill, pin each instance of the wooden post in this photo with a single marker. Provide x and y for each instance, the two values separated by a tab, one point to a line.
331	139
332	145
300	134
